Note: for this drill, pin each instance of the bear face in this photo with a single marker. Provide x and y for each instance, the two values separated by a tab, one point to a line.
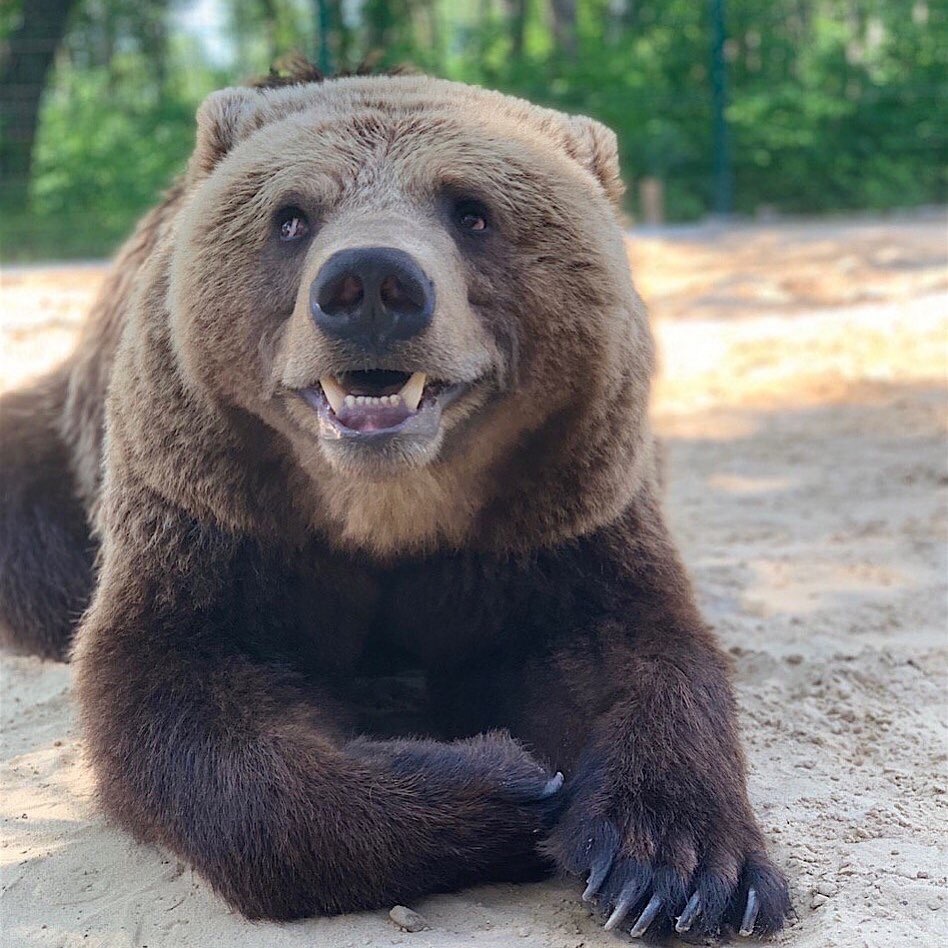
486	225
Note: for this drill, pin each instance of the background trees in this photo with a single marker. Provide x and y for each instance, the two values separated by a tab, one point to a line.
832	103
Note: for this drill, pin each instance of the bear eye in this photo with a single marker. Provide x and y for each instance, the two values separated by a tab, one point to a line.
292	224
471	216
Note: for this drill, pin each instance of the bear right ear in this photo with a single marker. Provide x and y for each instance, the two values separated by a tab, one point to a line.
596	148
223	119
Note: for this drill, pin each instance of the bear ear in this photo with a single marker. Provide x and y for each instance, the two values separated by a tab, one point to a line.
223	119
596	148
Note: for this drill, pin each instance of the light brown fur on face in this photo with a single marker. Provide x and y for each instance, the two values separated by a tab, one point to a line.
255	581
578	354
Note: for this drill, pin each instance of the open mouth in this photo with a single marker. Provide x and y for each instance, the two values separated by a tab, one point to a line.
374	403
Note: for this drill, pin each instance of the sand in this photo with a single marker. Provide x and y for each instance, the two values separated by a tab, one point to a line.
803	401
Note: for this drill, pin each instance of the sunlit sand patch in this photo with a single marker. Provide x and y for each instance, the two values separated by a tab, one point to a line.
738	484
798	587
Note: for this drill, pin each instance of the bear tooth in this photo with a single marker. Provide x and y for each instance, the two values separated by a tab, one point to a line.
350	400
334	393
412	390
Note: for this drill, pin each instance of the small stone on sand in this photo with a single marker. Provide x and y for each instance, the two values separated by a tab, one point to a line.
407	919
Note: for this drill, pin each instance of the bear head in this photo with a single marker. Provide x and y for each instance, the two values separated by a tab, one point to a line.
422	290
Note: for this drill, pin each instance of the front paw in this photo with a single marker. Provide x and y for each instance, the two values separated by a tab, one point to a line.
489	802
652	871
491	765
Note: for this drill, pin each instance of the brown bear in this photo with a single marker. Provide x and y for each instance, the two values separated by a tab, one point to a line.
351	480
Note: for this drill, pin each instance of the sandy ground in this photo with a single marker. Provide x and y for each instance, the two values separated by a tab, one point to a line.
803	401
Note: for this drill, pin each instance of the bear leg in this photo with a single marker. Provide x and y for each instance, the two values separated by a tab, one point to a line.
206	738
46	552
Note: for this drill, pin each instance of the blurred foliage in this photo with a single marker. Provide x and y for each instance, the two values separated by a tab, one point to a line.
834	104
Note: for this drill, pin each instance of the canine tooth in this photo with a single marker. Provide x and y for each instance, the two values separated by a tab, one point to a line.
412	390
334	393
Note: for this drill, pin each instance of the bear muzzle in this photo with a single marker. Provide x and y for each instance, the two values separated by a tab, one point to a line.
371	298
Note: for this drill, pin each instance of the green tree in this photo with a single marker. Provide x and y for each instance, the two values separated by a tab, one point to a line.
26	57
833	103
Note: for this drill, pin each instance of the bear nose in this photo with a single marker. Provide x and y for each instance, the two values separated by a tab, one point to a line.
371	296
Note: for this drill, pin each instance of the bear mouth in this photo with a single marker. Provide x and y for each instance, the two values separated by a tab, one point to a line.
369	404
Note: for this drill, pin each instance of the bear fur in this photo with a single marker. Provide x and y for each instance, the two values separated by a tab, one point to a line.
334	683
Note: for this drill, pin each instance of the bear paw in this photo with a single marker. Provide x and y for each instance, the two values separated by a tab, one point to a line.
733	886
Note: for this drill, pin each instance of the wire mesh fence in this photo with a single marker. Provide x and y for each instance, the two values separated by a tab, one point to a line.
822	104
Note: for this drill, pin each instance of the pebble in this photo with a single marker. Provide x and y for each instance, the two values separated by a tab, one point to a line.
827	888
818	900
407	919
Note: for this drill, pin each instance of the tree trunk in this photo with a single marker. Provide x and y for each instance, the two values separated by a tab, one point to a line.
342	34
24	71
517	16
564	27
270	20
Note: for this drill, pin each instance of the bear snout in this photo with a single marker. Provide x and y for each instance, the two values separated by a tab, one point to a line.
371	297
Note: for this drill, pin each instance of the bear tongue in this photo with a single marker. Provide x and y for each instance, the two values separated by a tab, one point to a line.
361	417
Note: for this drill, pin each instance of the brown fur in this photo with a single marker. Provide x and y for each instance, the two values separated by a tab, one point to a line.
260	592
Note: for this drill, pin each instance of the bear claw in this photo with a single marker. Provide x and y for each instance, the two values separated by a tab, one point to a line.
689	913
750	913
597	876
647	916
629	895
552	786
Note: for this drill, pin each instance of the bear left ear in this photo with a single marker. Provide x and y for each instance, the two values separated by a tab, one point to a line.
596	148
223	119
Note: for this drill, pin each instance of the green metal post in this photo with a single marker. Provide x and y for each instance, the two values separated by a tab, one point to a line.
723	169
323	26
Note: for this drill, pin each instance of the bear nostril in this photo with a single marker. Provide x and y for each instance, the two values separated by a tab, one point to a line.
342	295
400	297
